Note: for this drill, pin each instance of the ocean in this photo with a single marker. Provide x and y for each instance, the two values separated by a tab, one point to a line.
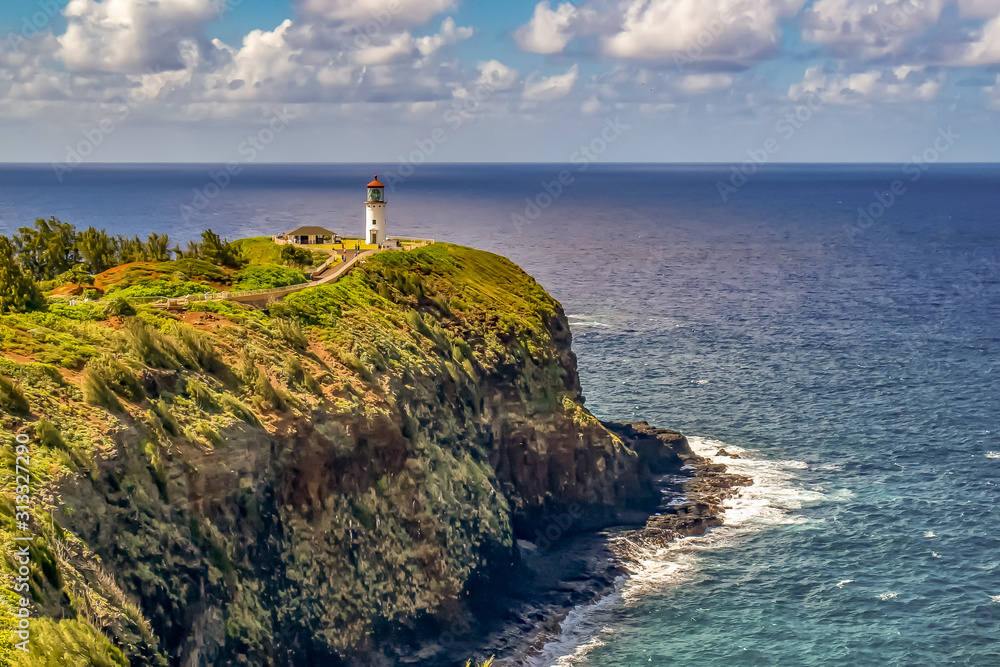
852	361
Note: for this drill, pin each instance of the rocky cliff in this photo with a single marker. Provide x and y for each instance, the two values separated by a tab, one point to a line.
321	483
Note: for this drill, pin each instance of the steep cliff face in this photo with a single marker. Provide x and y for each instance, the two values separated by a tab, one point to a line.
309	484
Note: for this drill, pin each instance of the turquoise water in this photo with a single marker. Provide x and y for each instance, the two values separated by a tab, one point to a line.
856	372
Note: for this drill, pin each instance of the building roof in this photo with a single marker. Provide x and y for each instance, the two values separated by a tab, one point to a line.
310	231
375	183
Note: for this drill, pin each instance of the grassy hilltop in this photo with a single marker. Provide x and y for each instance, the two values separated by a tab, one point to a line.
229	485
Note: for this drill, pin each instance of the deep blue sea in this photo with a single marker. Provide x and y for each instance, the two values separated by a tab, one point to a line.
856	370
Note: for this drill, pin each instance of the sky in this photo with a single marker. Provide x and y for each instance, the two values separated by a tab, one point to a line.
408	81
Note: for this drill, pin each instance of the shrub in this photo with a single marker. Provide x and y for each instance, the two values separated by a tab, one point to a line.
97	392
49	436
212	436
162	410
200	348
12	398
162	286
267	277
156	467
353	362
150	346
118	307
236	408
200	394
290	331
295	256
267	397
118	377
76	275
297	374
193	269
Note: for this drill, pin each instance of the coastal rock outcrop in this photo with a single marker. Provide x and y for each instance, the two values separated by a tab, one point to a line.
338	480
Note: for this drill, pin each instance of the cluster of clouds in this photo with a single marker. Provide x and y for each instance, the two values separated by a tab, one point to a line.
335	52
342	54
873	51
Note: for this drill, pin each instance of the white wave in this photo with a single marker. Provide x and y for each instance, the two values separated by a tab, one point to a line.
587	321
767	502
930	533
772	494
887	596
580	633
580	653
995	598
993	455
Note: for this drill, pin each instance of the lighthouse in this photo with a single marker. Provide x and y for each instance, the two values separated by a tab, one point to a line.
375	213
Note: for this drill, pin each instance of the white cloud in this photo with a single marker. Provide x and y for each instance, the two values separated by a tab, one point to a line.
386	14
495	75
450	34
551	88
932	31
714	33
396	48
129	36
732	31
985	50
703	83
887	86
867	29
549	30
265	60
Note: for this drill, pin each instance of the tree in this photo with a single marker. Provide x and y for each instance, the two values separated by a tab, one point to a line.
213	249
48	249
18	290
98	249
157	247
295	256
131	250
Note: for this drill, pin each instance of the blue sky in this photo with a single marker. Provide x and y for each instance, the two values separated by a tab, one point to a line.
471	80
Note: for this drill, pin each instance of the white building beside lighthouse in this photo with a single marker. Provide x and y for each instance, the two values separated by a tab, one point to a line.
375	231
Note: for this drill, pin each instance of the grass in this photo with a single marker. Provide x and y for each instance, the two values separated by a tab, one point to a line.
164	287
267	277
488	663
259	250
150	346
195	269
97	392
12	398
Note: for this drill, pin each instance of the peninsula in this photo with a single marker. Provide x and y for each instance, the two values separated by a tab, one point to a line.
387	468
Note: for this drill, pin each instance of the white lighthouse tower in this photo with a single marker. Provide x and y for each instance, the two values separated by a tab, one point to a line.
375	213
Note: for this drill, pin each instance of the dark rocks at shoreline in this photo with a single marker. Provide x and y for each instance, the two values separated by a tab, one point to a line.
552	577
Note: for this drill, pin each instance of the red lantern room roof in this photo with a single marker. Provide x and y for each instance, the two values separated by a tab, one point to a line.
375	183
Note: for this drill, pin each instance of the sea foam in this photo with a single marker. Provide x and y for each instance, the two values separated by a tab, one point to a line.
768	502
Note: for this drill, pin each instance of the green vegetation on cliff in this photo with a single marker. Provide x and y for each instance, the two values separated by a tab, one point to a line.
233	486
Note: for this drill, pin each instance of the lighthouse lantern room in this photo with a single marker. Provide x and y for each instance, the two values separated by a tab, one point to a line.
375	213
